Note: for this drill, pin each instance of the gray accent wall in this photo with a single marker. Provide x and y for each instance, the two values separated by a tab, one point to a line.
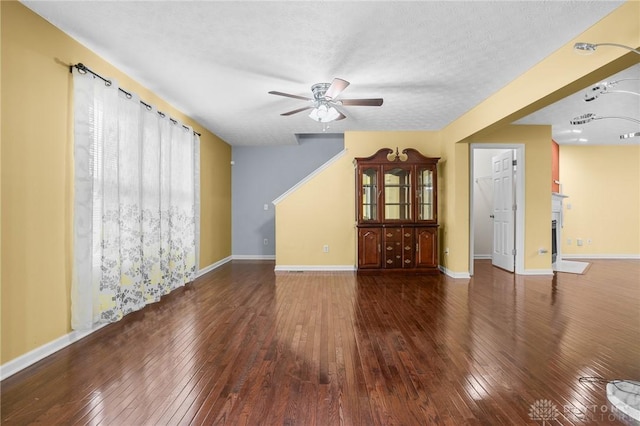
261	174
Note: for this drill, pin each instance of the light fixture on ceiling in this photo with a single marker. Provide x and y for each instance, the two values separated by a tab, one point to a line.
603	89
589	117
325	106
588	48
324	113
630	135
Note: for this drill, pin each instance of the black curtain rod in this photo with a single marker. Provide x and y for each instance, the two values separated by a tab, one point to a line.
83	70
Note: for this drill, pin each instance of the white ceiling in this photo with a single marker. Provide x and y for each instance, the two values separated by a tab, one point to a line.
431	61
611	104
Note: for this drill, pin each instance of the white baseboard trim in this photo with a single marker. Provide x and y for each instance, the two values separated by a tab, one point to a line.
482	257
213	266
452	274
537	272
314	268
23	361
254	257
601	256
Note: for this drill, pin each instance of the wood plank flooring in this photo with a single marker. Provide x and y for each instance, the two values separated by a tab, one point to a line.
244	345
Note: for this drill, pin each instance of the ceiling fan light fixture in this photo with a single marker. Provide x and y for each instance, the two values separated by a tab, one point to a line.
323	103
324	114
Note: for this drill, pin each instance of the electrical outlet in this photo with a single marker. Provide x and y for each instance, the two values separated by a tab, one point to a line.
325	248
568	241
579	242
266	241
266	206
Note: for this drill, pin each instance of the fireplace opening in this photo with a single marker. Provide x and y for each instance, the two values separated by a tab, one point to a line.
554	241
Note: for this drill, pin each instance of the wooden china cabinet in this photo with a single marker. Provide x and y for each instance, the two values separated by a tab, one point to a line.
397	222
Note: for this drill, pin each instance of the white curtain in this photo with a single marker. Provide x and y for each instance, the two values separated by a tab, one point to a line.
136	203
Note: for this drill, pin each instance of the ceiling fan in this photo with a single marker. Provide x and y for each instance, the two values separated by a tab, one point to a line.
324	102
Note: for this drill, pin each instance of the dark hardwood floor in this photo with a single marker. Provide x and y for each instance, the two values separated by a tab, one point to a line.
242	345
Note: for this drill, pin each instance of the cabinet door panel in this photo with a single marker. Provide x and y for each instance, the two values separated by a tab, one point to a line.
426	194
368	194
369	241
427	246
398	194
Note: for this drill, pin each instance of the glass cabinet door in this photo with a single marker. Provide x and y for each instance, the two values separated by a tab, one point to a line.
425	193
397	194
369	195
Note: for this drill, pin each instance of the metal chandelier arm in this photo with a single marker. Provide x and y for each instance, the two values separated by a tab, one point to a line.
589	48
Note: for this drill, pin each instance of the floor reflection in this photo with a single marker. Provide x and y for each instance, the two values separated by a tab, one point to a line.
245	345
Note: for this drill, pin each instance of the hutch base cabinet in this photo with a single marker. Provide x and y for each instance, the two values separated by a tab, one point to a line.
397	223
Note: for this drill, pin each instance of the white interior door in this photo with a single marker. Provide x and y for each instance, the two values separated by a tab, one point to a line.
503	254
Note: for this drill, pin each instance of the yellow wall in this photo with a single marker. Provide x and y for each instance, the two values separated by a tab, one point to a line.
603	185
37	182
453	199
562	73
323	210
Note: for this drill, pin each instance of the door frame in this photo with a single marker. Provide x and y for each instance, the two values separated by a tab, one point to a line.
519	149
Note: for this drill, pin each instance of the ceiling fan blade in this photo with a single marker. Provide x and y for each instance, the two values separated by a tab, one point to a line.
340	117
295	111
288	95
337	86
362	102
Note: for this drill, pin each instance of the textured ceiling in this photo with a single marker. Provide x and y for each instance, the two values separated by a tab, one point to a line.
216	61
616	102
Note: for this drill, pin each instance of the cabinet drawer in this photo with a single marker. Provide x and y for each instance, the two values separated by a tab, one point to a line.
393	234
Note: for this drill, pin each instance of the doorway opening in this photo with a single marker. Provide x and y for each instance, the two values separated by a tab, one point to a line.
491	232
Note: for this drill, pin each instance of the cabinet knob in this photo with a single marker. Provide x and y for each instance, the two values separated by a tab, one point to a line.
389	261
407	247
407	235
389	248
407	261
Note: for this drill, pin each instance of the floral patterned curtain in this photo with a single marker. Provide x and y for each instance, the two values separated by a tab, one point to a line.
136	189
